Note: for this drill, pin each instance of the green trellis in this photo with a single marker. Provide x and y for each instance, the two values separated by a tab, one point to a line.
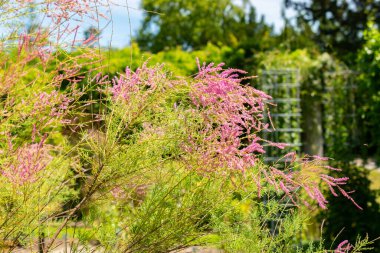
283	85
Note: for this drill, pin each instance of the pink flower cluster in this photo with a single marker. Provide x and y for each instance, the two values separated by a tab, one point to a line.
28	161
143	80
63	8
232	115
60	13
48	108
57	103
307	173
35	46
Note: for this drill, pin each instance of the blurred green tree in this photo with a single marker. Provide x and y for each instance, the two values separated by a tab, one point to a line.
299	36
338	25
368	61
193	24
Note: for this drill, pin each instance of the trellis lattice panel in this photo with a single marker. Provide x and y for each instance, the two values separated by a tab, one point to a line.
283	85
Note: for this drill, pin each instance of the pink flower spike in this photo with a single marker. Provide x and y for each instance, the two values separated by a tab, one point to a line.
332	168
344	247
320	158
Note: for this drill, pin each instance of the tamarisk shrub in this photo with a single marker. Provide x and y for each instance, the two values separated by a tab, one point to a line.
171	155
164	163
154	171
